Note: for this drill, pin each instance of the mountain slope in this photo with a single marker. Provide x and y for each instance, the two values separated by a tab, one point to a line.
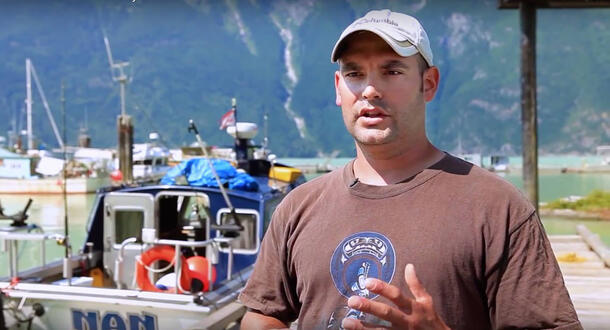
189	58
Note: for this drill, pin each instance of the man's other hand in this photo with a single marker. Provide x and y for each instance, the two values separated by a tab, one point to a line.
418	313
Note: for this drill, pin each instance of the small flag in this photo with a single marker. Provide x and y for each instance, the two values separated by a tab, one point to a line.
228	119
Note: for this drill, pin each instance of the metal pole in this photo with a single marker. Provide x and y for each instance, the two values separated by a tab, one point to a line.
123	81
28	101
12	255
528	100
178	268
229	263
64	185
67	274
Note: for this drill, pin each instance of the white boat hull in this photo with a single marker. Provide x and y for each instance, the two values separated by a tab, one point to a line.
52	185
98	308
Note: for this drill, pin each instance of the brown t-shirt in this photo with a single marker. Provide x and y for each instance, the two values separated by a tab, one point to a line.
476	243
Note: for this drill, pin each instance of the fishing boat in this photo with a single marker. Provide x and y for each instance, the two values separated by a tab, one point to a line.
155	256
499	163
150	160
35	171
41	173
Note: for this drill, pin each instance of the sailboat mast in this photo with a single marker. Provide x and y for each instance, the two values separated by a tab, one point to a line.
67	271
65	192
28	101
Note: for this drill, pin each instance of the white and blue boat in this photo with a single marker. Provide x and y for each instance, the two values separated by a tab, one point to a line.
156	256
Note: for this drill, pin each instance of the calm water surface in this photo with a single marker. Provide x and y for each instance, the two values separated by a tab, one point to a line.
48	212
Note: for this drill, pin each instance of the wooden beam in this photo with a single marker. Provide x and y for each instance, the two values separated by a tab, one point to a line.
125	147
595	243
514	4
528	101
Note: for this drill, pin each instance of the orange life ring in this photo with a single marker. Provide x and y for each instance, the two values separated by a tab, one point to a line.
156	253
198	269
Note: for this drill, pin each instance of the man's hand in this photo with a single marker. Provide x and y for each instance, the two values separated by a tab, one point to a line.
406	314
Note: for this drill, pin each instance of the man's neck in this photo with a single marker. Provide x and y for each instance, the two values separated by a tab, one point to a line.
379	167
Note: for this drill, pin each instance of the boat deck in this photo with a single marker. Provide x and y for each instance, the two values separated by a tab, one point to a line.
585	263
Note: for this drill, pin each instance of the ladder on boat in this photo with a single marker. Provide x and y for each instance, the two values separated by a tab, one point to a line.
585	264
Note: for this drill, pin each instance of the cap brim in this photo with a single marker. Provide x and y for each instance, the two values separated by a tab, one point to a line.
402	48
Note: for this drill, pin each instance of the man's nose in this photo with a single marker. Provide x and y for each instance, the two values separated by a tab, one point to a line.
371	91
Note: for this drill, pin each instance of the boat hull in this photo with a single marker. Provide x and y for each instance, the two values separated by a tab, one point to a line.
96	308
52	185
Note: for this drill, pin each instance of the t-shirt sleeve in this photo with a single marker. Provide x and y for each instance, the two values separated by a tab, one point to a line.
527	289
270	289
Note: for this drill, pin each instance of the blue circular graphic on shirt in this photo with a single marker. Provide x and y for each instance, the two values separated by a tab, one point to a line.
358	257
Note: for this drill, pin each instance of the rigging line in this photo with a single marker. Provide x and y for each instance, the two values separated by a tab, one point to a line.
46	105
150	121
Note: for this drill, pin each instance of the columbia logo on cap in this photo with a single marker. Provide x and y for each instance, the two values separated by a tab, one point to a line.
402	32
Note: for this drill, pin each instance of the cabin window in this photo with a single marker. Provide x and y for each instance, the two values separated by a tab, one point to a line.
247	241
195	210
183	215
128	223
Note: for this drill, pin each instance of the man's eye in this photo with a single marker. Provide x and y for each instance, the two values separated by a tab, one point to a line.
394	73
353	74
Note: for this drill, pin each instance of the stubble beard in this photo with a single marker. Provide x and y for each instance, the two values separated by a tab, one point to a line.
380	136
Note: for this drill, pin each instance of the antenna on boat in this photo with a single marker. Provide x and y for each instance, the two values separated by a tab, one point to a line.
66	242
266	131
230	227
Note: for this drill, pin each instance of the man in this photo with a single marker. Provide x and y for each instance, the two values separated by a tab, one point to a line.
405	236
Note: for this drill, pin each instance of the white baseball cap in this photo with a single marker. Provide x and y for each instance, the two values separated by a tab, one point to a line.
402	32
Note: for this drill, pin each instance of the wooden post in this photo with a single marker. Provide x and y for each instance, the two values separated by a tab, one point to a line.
125	147
529	117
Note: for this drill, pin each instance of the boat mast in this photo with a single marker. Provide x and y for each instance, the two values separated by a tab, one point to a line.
121	77
28	101
124	123
63	113
29	72
67	268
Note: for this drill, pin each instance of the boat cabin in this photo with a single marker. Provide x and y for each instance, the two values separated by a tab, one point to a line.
131	220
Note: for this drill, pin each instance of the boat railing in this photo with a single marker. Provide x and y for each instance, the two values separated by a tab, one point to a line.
10	241
214	244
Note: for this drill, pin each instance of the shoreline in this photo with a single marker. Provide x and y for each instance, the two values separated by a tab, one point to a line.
569	213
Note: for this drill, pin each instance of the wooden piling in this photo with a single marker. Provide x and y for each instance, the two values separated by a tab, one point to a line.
527	9
529	116
125	147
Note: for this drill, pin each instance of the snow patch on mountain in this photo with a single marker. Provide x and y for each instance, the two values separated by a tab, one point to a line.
244	33
290	16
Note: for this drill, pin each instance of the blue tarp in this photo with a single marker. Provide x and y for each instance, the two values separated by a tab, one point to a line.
198	173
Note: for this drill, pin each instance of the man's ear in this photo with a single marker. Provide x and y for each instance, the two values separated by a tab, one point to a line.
337	94
431	79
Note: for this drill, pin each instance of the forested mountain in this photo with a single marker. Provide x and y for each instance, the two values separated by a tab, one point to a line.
188	58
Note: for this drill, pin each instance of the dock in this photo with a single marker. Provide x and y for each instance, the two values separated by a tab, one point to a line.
585	263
